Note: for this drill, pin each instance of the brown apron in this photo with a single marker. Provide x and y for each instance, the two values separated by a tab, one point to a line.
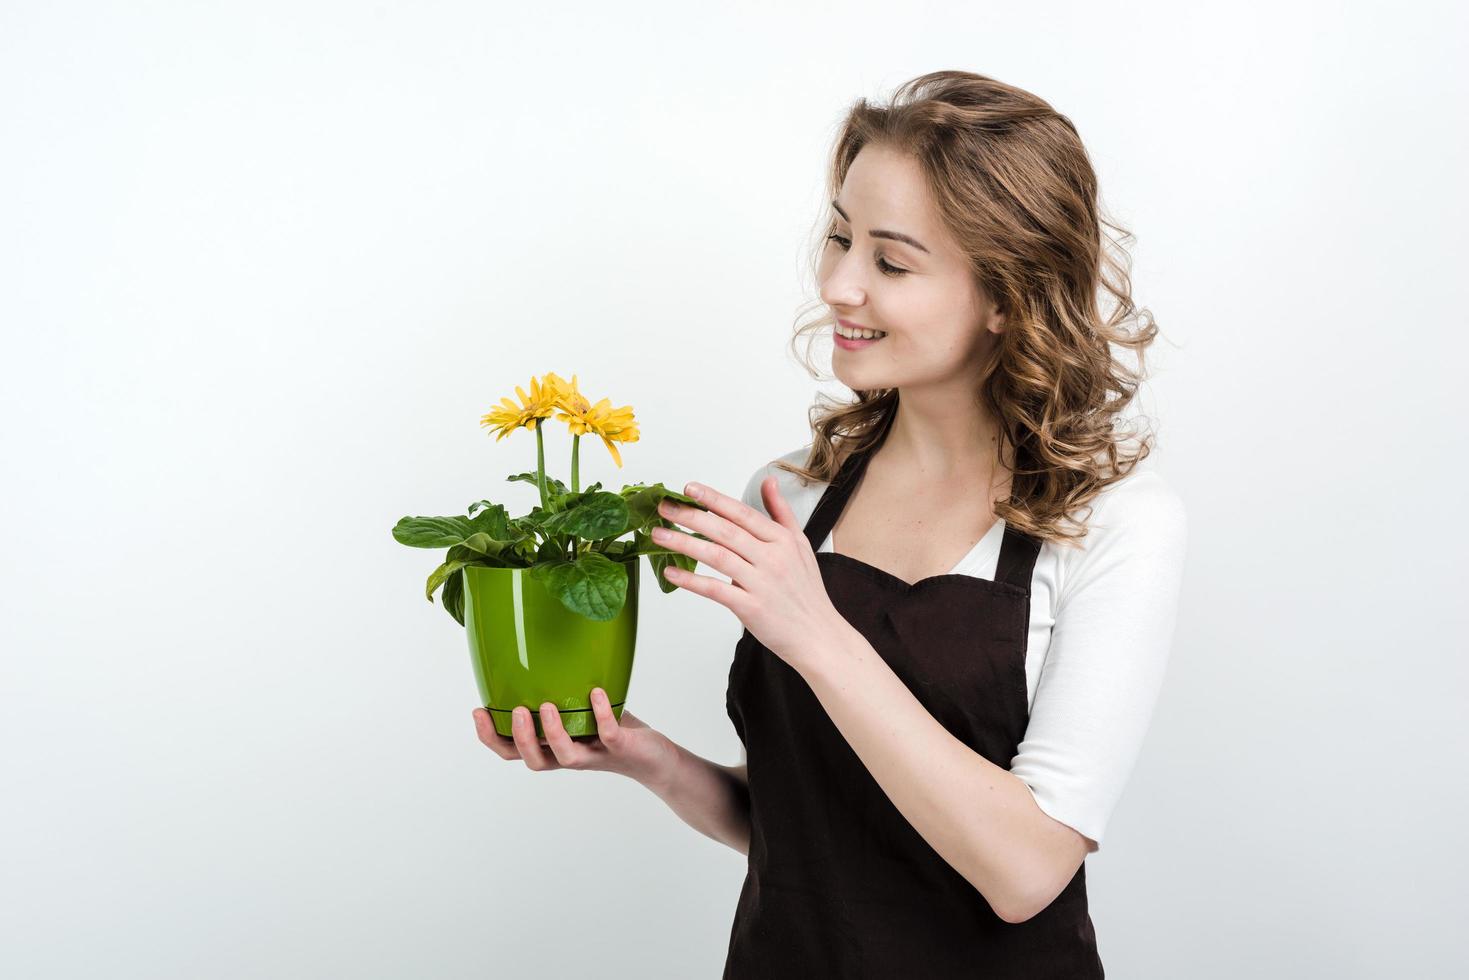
839	883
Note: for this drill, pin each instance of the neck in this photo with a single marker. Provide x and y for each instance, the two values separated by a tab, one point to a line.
943	436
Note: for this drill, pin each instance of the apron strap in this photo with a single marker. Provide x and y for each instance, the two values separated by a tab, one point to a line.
1018	553
834	498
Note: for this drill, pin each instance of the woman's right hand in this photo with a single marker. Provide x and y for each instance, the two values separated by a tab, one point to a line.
628	747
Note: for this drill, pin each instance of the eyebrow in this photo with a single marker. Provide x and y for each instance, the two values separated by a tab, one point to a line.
896	236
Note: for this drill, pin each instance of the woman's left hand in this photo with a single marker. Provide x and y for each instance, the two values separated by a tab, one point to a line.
775	585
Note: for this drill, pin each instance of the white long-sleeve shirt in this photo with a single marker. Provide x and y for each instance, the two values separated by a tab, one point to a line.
1101	627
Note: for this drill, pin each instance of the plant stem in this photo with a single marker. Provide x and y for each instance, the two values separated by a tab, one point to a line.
541	464
575	485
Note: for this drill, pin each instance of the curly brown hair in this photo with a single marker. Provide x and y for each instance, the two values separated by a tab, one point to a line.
1015	187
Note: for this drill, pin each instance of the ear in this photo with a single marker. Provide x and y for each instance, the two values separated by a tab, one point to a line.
994	314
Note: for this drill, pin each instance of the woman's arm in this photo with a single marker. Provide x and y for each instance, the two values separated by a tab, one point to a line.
713	799
1102	674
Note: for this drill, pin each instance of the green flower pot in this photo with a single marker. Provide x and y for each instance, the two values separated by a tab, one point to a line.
528	648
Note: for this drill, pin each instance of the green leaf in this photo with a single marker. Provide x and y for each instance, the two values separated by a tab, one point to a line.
660	557
536	522
524	551
441	575
484	550
553	485
558	502
643	501
592	585
597	516
442	532
453	596
618	550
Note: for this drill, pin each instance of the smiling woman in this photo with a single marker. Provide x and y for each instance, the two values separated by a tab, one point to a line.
939	717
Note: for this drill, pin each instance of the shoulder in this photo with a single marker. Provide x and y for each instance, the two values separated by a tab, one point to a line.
1143	502
1137	528
801	496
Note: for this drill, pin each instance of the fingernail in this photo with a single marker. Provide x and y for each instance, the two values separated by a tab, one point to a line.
517	718
598	695
694	490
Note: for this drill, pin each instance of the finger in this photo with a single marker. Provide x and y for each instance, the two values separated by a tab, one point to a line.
735	510
568	754
711	553
727	594
501	745
525	740
608	729
776	505
713	526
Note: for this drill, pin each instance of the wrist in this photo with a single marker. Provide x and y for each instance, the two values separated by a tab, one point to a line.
661	773
831	646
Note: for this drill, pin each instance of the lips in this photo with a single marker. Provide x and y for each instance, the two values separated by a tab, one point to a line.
849	325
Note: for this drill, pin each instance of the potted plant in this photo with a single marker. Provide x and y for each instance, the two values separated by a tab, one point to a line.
549	600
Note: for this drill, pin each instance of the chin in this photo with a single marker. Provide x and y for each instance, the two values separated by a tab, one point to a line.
862	380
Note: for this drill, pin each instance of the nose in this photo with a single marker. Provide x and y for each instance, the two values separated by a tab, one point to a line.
842	285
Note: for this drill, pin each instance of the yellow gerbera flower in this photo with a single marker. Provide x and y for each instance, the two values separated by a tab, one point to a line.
539	404
613	425
566	391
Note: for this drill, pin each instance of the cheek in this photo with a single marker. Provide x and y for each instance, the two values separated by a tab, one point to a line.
944	319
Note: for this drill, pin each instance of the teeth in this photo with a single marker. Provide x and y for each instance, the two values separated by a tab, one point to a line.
859	334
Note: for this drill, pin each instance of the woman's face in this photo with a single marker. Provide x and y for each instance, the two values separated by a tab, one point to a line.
939	326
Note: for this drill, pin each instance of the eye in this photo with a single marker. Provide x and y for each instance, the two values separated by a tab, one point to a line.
882	264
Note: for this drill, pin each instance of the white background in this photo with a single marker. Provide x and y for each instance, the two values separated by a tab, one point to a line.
266	264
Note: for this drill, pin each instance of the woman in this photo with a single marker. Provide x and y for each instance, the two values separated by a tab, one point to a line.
939	717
